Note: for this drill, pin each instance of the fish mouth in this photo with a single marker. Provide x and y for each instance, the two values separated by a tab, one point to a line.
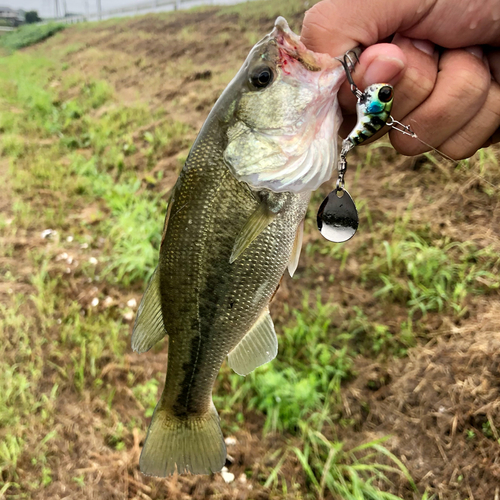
296	150
291	47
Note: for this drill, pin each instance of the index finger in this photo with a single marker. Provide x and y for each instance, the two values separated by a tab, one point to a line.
335	26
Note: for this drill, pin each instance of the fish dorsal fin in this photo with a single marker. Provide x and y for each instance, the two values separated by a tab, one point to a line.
256	223
148	328
257	347
297	247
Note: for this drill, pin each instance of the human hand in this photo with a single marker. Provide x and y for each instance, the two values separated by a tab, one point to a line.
442	61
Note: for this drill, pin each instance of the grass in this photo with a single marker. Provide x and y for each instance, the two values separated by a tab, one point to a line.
29	34
434	276
90	157
348	474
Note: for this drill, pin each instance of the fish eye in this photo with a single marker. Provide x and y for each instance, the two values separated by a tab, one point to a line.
385	93
262	77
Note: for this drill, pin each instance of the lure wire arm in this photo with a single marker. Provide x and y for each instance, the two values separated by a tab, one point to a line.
342	164
404	129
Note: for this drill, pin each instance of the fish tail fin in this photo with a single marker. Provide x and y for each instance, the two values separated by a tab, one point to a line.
195	444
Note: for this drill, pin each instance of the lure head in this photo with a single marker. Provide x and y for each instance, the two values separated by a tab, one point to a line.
373	110
283	117
377	99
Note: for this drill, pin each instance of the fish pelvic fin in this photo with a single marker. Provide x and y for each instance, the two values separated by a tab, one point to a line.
297	247
256	223
257	347
148	327
193	444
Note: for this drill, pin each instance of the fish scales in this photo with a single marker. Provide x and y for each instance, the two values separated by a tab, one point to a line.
233	225
208	304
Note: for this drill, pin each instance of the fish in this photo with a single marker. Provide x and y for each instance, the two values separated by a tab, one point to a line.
234	224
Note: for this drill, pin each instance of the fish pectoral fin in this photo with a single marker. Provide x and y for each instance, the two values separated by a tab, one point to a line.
297	247
148	327
257	222
256	348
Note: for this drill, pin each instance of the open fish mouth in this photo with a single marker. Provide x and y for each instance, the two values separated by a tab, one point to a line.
291	47
284	138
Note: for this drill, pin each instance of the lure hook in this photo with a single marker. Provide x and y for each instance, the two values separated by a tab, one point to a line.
348	63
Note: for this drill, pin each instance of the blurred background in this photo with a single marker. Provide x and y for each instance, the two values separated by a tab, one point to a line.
71	11
387	380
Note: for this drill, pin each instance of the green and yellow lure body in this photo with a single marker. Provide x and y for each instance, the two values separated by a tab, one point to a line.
374	111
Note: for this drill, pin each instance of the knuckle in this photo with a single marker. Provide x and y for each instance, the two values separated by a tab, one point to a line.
459	147
470	83
416	85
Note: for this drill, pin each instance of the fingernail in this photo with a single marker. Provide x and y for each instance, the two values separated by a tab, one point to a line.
423	45
383	69
475	50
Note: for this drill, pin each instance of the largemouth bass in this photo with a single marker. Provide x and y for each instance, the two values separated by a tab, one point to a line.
233	225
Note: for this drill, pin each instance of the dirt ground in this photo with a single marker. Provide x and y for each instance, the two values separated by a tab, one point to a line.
435	403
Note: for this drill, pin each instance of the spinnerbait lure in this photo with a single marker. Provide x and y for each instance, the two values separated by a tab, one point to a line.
337	215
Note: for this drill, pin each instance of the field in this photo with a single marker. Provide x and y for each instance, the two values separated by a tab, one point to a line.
387	380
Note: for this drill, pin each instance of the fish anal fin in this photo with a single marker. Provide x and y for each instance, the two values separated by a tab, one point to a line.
256	223
148	327
256	348
297	247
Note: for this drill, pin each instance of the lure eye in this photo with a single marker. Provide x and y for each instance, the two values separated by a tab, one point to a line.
385	93
262	77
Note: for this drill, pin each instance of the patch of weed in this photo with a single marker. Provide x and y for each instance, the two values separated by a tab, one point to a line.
428	273
29	34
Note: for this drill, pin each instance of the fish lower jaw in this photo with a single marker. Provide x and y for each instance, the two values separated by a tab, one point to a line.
307	160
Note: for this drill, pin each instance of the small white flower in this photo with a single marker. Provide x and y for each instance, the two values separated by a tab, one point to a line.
132	303
95	302
69	239
227	476
47	233
93	261
128	316
230	441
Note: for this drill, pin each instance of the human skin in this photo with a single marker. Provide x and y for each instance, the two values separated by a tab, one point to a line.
443	60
